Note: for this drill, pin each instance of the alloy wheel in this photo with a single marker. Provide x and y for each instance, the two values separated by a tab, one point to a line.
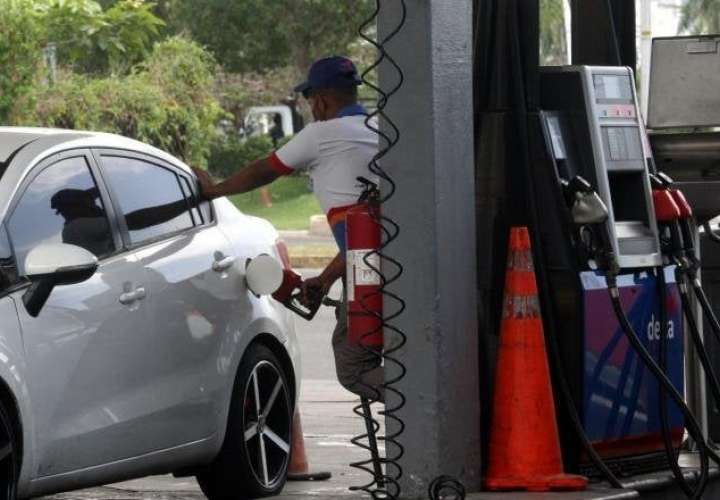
267	424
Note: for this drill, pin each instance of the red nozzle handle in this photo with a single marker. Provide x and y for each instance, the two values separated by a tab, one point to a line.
686	211
666	210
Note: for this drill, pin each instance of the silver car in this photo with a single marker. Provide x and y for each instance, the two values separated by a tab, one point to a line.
130	344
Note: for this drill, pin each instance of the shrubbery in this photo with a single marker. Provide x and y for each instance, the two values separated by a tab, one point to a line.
228	155
92	40
166	101
20	53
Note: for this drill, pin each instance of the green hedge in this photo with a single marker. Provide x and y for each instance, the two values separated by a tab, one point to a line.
228	155
20	54
166	101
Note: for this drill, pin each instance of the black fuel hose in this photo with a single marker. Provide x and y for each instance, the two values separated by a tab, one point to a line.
671	454
522	116
446	488
691	423
696	337
691	272
706	307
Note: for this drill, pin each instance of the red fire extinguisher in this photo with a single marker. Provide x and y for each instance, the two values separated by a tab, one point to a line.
365	302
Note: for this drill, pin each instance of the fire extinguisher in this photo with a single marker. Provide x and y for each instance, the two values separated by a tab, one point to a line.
364	282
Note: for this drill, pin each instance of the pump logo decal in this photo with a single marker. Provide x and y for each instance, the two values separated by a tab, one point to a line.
620	398
653	329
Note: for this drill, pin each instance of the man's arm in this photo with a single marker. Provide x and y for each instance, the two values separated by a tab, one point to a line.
256	174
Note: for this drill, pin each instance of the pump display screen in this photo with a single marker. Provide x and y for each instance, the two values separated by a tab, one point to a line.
613	87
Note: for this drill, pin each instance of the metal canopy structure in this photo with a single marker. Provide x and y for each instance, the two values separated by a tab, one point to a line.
592	41
457	59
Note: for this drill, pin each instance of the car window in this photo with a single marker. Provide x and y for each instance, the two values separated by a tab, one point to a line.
149	196
61	205
8	268
192	200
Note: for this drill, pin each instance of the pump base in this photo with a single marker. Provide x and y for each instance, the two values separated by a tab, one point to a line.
656	486
558	482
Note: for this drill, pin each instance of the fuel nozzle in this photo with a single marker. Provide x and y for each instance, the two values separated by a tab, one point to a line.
290	295
680	220
586	206
589	210
370	190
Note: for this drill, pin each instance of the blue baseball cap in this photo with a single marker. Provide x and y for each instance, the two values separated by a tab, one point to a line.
330	73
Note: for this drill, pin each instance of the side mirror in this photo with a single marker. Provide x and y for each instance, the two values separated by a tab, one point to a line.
51	264
263	275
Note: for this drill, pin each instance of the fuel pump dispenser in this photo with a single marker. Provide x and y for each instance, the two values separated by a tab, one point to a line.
591	128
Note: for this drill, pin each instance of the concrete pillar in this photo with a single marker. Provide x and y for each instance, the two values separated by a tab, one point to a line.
435	208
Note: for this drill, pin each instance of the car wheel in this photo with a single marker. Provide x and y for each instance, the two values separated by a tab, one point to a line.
254	458
9	458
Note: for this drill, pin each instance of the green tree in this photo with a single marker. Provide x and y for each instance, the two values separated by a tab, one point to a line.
257	35
700	17
166	101
553	42
20	53
93	40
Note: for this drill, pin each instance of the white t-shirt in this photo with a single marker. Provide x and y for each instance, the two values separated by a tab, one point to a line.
335	152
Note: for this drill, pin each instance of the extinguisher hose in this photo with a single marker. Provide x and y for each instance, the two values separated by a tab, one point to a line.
670	452
384	484
666	385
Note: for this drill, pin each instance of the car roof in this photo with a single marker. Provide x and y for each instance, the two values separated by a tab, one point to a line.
21	148
14	138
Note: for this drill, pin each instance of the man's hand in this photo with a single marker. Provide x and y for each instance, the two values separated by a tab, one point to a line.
314	289
256	174
205	181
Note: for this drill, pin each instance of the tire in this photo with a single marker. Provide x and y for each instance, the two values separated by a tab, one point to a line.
254	459
9	457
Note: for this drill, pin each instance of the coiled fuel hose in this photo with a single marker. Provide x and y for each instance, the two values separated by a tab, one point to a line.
385	471
446	488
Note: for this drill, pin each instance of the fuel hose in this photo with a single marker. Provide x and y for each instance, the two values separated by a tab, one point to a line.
705	305
547	309
385	471
696	337
668	388
671	454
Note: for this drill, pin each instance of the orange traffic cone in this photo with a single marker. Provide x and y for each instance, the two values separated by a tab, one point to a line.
524	443
299	470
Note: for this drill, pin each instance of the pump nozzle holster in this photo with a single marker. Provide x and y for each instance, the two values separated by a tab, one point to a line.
586	206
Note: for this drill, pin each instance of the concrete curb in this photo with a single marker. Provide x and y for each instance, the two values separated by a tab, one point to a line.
309	262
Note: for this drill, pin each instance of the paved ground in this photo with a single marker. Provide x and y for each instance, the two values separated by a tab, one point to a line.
328	422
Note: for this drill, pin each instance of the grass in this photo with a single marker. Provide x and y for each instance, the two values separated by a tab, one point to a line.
293	203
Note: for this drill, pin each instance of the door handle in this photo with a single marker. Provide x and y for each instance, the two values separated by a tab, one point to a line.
223	264
128	298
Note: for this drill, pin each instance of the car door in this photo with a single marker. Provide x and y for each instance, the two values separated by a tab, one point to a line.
193	287
86	373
